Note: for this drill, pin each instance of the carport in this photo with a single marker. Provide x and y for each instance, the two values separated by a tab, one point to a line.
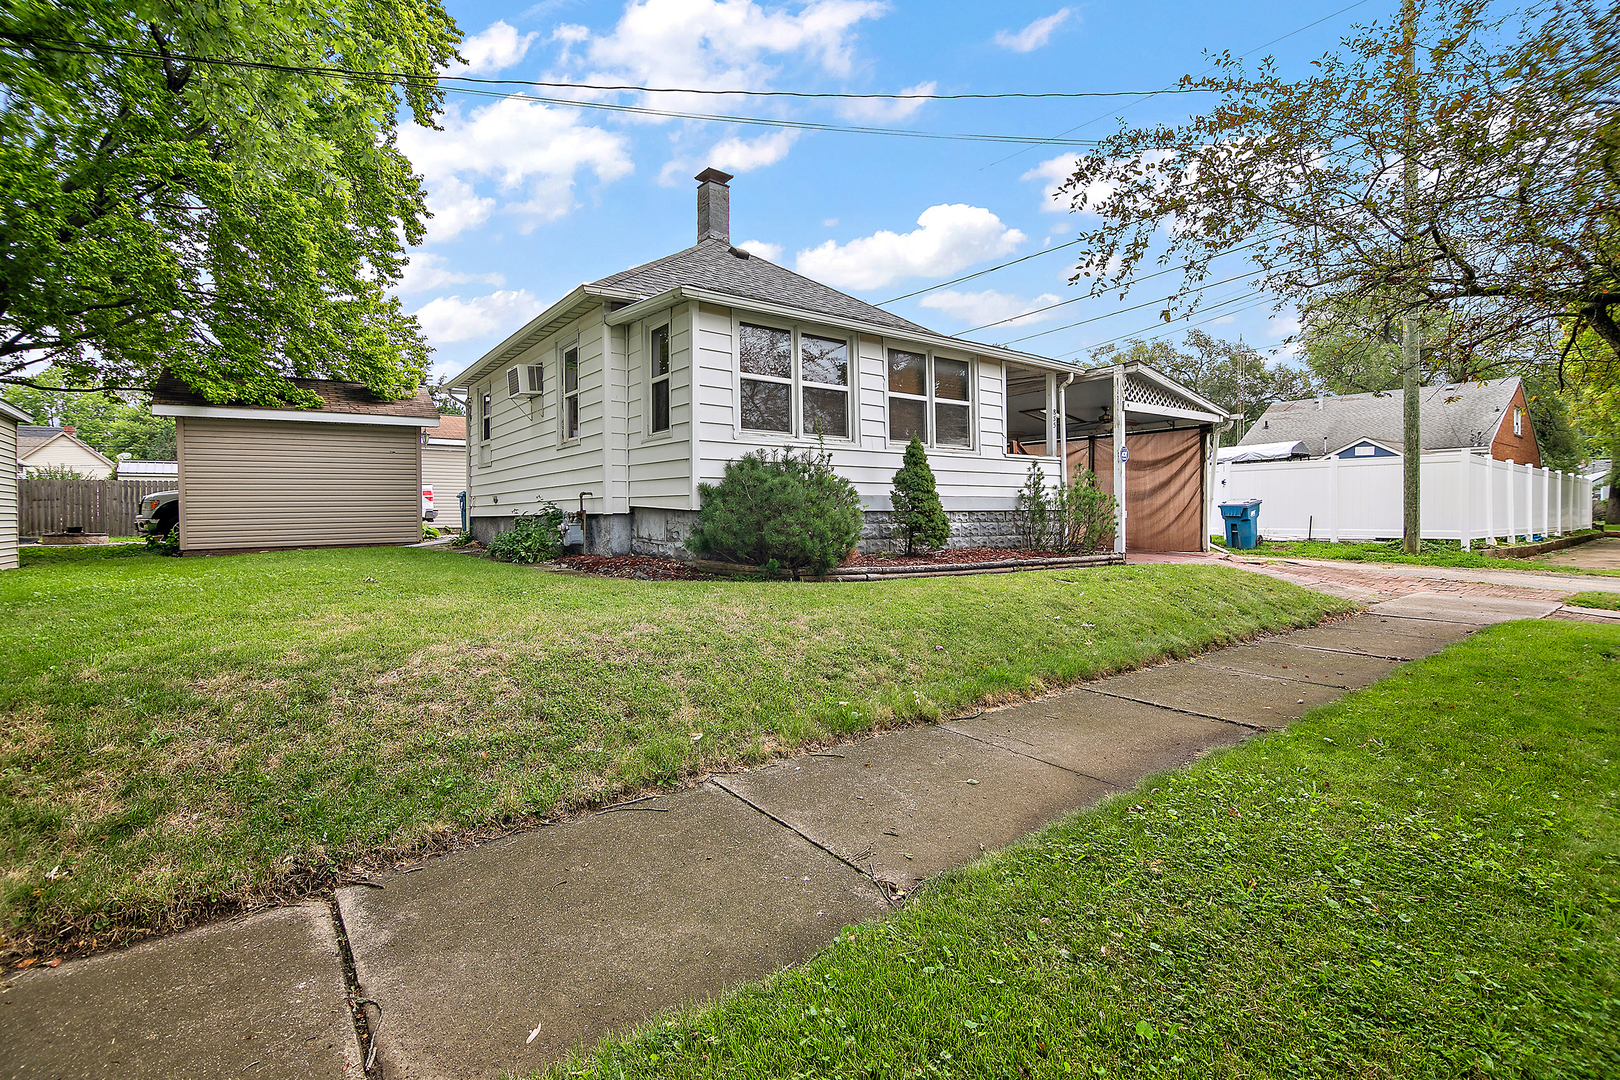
1163	480
253	478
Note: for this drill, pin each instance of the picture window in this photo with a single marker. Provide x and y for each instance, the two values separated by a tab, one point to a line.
782	367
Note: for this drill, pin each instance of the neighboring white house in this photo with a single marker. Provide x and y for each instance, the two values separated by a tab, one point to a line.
40	447
628	393
10	417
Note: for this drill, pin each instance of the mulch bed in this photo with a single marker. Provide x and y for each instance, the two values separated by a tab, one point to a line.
640	567
951	556
647	568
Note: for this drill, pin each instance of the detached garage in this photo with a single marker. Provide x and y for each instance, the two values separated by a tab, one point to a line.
346	474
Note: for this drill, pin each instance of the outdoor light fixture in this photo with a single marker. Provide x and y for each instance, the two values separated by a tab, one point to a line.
1107	416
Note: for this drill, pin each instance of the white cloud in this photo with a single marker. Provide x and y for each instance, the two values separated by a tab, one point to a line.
768	252
829	223
735	155
950	236
1034	35
1224	319
427	271
530	151
989	306
1282	326
724	44
1054	173
497	48
882	109
450	318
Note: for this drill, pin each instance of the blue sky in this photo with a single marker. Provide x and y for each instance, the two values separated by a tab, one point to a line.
533	199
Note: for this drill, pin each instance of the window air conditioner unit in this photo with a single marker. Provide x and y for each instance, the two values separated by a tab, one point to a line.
526	381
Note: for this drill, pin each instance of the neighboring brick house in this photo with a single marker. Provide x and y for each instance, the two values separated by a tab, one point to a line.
628	393
1492	417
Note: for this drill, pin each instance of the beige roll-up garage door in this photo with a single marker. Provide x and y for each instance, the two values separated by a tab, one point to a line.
271	483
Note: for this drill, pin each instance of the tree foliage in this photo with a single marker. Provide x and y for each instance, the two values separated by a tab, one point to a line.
112	423
178	189
1507	228
1232	374
785	510
917	509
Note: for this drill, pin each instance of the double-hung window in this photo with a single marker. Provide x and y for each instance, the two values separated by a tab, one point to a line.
793	382
571	393
929	397
485	407
658	342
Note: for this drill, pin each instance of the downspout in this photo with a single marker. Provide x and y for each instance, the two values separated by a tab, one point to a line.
1212	444
1063	431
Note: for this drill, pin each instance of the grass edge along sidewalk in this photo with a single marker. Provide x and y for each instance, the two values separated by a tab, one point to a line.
182	739
1417	880
1442	553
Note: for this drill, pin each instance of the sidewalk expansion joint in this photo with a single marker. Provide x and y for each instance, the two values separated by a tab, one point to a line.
1307	681
997	746
365	1029
1187	712
882	886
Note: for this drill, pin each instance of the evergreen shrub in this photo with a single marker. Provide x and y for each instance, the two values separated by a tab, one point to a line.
785	508
1079	518
917	509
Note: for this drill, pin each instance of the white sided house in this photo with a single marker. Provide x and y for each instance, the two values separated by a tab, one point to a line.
629	392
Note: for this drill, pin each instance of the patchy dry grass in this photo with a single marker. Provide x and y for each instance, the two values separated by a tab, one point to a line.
178	735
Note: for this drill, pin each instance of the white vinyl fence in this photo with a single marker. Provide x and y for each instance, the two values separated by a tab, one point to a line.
1465	496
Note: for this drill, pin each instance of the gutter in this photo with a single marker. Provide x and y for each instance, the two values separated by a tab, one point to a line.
686	293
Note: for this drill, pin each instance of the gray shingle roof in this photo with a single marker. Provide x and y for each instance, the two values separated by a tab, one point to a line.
715	264
1449	416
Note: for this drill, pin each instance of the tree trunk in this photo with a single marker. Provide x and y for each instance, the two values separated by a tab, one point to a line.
1611	515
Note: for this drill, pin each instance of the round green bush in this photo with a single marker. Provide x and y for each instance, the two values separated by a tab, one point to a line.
786	508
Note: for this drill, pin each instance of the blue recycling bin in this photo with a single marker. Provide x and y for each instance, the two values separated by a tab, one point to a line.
1242	523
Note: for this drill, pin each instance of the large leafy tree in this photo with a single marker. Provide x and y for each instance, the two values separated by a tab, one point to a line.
1443	170
1232	374
178	189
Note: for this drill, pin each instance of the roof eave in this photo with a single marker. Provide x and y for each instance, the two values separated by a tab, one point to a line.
680	293
11	412
534	331
307	416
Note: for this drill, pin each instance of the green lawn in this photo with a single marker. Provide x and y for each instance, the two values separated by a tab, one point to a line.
180	733
1431	553
1595	600
1420	880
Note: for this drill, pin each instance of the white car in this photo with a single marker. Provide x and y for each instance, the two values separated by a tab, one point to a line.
160	512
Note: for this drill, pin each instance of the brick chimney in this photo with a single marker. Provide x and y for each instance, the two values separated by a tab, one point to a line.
714	205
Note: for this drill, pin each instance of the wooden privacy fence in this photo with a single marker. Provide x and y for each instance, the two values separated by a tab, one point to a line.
96	506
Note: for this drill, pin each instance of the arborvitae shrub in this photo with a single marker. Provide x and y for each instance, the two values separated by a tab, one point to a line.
788	508
917	510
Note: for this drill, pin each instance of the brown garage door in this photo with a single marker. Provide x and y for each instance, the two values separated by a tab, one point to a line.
1164	486
270	483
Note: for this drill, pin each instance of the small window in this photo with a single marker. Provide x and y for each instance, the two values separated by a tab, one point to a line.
659	353
571	394
1518	421
824	371
1365	451
924	392
765	355
484	402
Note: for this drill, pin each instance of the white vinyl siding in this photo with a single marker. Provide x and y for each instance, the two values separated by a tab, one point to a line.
8	494
72	454
659	463
271	483
529	460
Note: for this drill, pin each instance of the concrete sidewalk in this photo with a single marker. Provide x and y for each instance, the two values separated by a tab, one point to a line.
504	957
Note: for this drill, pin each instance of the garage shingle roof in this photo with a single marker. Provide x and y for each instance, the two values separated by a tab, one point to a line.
716	265
1449	417
337	397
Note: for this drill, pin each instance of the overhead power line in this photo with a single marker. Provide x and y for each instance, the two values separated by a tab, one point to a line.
391	78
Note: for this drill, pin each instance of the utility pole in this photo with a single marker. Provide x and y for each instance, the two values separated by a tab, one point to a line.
1411	345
